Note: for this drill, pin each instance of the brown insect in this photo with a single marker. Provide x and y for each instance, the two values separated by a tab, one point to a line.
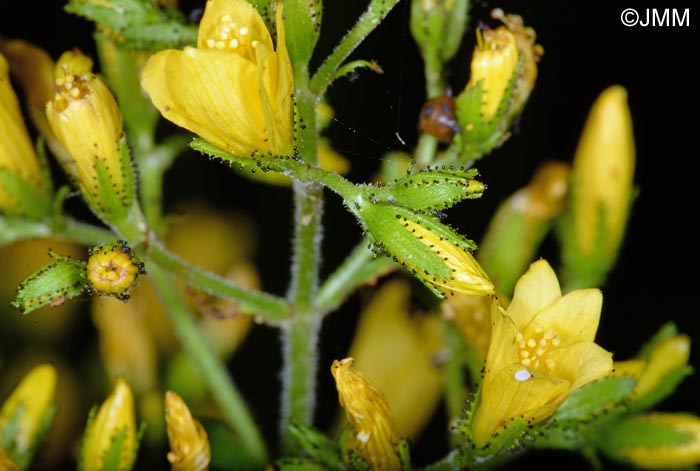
437	117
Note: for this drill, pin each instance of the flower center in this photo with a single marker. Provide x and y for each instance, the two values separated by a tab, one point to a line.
535	351
228	36
69	88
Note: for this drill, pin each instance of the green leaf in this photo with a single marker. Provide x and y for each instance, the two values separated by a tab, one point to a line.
302	27
664	388
55	282
300	464
141	24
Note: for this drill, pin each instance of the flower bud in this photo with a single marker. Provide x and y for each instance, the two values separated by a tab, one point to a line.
494	62
113	269
438	27
375	435
602	186
87	121
657	372
525	38
432	251
654	441
25	187
27	413
189	445
110	439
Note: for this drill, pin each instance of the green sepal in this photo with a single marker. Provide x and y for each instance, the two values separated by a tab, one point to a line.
113	454
595	398
141	23
478	136
62	279
109	204
33	203
317	445
404	451
639	431
91	418
438	26
386	223
351	68
302	19
432	189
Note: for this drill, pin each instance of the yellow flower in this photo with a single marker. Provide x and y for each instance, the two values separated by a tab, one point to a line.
493	64
396	350
541	350
655	441
88	123
466	275
113	269
189	446
35	396
603	174
233	89
115	418
665	357
16	149
375	436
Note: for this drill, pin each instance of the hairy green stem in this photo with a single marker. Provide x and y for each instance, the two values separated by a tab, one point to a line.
371	18
68	229
266	306
300	335
153	162
358	268
232	405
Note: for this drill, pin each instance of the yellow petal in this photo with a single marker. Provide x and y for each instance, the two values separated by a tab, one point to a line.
213	94
502	351
574	317
680	456
581	363
516	392
535	290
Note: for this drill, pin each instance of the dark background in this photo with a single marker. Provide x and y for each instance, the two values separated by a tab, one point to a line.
586	50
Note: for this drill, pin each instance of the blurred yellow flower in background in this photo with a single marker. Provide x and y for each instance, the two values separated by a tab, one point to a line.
397	350
17	155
